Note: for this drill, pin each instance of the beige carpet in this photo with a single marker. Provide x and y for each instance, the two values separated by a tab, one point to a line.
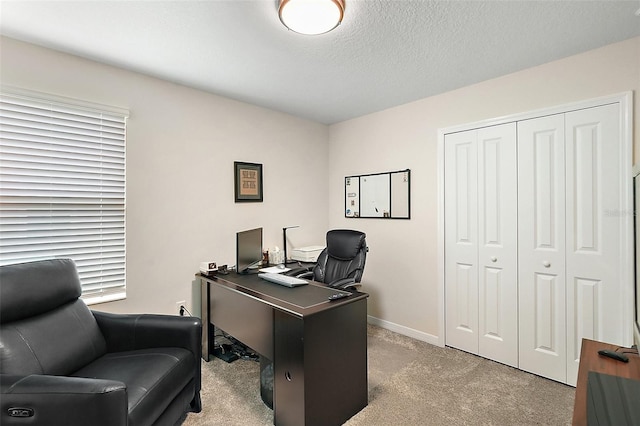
410	382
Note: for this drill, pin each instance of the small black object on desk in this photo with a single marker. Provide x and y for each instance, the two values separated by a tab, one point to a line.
613	355
338	296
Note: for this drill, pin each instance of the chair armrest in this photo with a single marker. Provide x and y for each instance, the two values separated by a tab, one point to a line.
58	400
344	283
298	272
126	332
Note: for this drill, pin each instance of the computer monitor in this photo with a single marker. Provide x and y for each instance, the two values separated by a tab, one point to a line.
248	251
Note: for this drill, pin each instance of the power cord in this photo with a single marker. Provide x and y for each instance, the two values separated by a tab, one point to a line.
232	349
624	350
632	350
183	310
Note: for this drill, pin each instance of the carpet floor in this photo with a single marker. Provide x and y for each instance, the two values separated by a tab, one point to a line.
410	382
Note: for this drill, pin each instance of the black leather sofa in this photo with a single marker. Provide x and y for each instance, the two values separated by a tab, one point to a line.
63	364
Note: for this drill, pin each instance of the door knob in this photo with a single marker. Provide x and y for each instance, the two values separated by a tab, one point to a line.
494	259
546	264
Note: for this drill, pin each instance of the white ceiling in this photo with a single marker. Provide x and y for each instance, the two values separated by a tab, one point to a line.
385	53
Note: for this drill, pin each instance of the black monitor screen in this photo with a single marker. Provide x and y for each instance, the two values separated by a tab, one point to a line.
248	250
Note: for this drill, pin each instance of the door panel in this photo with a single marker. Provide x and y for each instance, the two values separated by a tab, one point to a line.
541	247
497	249
593	230
547	293
461	242
491	323
465	301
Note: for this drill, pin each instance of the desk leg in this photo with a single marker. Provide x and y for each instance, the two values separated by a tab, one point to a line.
288	371
204	313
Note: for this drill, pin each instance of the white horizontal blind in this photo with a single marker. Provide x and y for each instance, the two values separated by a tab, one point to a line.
62	189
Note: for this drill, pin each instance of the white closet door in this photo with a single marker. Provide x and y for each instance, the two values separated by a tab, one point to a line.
480	242
541	246
497	244
461	241
594	222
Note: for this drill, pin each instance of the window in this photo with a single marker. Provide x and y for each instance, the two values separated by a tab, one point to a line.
62	187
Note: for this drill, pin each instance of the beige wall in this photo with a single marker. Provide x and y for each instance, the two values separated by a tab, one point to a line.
401	272
181	145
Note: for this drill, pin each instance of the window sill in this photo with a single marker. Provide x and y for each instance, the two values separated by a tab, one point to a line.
94	300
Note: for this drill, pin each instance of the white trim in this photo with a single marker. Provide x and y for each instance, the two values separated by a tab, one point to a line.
405	331
440	239
626	260
94	300
558	109
624	99
635	171
89	106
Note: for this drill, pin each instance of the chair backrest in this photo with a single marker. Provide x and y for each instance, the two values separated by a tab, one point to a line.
45	327
344	256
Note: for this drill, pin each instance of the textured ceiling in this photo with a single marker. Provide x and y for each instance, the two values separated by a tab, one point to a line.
385	53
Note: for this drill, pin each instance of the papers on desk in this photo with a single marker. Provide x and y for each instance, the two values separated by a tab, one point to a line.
275	269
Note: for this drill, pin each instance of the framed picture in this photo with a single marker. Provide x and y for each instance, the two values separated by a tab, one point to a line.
248	182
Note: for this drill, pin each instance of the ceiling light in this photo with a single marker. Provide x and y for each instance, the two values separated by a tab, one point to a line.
311	16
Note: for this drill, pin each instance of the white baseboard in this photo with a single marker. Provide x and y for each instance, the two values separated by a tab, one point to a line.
405	331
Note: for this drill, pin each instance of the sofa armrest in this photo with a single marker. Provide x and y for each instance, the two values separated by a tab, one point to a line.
58	400
127	332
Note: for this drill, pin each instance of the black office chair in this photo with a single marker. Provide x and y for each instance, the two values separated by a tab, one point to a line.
341	263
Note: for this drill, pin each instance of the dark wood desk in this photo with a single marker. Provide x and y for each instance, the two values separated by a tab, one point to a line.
318	347
591	361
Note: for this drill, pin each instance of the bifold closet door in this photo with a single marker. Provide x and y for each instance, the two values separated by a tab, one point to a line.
535	227
541	246
480	242
569	188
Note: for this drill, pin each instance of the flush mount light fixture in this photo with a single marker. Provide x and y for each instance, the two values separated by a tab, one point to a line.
311	16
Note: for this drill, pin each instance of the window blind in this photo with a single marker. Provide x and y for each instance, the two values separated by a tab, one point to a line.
62	188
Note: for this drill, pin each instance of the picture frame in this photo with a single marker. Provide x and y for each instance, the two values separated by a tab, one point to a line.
248	182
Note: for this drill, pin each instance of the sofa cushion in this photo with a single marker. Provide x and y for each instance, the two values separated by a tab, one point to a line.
58	342
33	288
153	378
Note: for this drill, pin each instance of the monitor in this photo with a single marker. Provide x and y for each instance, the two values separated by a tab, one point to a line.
248	251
